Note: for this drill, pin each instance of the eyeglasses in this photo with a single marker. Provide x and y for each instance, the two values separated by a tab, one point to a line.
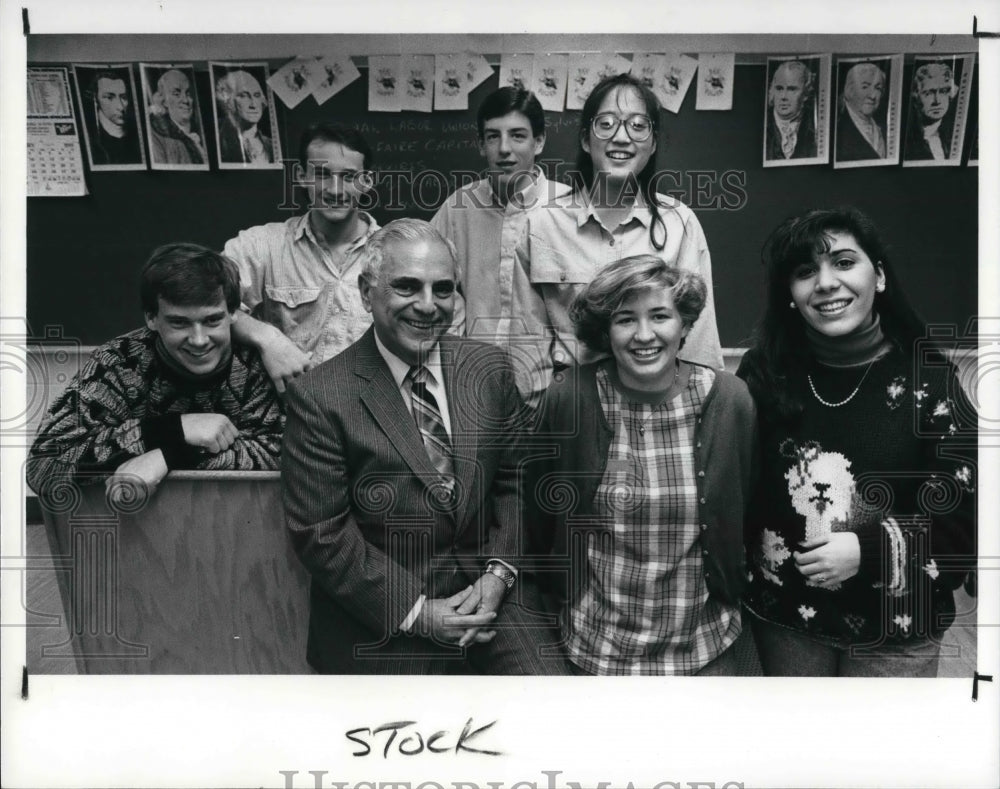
637	127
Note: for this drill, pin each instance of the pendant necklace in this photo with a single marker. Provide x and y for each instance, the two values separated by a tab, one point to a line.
849	397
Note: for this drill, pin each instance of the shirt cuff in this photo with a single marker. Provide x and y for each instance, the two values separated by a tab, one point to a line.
414	613
167	434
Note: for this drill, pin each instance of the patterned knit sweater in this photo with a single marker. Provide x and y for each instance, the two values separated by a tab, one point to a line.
895	465
128	400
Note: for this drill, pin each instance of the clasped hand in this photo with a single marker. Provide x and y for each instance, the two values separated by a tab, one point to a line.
463	618
830	560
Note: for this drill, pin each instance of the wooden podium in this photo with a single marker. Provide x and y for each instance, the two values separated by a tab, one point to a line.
200	578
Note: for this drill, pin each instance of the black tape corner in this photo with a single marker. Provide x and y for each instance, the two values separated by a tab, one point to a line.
977	33
24	21
976	676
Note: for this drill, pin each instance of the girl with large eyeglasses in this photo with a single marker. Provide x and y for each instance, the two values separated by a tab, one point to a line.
613	212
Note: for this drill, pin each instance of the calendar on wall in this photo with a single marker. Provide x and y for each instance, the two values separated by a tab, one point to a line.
55	161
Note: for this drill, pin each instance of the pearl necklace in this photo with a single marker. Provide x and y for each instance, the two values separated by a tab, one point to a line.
849	397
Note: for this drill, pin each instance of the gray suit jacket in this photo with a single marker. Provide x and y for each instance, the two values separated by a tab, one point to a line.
359	493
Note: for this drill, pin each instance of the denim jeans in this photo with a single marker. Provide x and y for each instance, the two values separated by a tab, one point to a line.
789	653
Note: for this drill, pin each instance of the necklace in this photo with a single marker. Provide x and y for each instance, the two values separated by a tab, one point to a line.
849	397
655	405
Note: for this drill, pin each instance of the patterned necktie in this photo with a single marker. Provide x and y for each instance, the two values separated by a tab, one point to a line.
427	415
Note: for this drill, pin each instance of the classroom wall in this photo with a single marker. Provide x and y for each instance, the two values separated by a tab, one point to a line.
928	215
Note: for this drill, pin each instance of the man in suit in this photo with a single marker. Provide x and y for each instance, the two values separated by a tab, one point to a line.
791	127
400	484
859	134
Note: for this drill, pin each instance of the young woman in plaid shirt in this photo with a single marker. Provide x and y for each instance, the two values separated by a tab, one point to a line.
640	502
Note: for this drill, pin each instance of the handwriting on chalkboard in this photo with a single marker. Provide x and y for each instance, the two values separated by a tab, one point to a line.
411	742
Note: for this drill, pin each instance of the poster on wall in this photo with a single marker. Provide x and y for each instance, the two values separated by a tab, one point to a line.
416	73
938	109
174	123
297	79
107	99
383	83
668	76
586	70
548	80
715	81
246	129
797	110
54	158
869	111
517	70
338	72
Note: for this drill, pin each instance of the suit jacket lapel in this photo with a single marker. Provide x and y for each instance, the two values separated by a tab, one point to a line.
461	395
382	399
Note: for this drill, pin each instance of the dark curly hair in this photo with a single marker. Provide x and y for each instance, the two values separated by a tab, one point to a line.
780	344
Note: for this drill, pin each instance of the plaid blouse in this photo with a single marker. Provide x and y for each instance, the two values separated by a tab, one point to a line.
645	608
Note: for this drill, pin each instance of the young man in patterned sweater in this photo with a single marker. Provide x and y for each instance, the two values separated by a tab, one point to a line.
174	395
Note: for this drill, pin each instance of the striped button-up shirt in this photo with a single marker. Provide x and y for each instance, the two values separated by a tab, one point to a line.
485	233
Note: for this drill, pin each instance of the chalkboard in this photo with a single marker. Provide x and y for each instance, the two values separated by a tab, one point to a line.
84	254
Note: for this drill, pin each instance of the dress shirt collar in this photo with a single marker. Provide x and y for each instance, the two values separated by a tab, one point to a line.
118	132
639	211
301	227
526	197
932	130
787	127
401	369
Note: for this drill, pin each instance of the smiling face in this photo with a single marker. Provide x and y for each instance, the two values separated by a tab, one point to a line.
248	98
413	301
112	100
835	291
644	335
196	337
863	88
620	156
510	149
788	90
339	180
175	88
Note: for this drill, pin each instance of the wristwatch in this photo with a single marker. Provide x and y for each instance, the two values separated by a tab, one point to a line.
503	573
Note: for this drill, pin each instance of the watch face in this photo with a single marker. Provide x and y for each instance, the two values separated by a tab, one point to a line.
503	574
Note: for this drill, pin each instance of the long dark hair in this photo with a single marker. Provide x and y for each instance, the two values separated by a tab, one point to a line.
583	176
780	344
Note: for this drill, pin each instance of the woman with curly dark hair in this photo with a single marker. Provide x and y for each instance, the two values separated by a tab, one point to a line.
862	523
